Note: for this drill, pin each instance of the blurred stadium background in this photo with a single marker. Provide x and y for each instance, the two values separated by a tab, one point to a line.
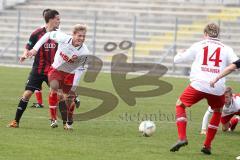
156	28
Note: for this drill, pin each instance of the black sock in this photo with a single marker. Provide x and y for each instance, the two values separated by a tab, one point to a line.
20	109
63	110
70	122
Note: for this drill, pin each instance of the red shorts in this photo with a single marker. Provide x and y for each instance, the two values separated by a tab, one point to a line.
191	96
64	79
227	118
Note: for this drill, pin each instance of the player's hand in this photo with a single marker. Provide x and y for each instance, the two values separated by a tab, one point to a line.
212	83
24	56
31	53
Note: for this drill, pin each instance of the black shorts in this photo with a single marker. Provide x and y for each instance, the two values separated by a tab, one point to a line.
35	81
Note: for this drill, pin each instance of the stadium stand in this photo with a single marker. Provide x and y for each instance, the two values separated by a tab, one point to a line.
156	27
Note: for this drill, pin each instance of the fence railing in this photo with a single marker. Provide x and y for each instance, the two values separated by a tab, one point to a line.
10	3
154	38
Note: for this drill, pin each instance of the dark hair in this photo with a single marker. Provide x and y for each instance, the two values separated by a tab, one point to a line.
45	11
51	14
212	30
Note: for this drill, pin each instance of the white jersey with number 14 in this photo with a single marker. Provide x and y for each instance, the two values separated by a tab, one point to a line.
209	57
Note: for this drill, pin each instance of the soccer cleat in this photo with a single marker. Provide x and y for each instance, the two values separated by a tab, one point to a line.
13	124
67	127
178	145
54	124
206	150
37	105
77	102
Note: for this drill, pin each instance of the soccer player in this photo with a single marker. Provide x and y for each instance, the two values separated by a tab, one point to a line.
231	108
210	57
70	56
41	64
38	93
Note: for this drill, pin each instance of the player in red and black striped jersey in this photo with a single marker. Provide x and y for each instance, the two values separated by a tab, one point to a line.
42	62
38	93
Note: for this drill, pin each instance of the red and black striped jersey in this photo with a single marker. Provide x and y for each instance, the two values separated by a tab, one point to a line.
45	56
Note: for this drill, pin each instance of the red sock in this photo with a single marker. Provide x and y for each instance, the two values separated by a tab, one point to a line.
53	100
212	128
38	95
233	123
181	121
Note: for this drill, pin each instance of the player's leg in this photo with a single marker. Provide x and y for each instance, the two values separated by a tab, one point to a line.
70	96
22	105
233	123
53	102
62	107
206	116
216	102
54	78
38	95
225	120
70	109
189	97
34	82
38	92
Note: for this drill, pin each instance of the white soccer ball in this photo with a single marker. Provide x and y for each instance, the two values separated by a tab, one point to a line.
238	158
147	128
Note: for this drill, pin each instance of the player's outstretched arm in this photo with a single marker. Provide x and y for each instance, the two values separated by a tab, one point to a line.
24	56
229	69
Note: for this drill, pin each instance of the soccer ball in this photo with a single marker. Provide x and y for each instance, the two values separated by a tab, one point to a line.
147	128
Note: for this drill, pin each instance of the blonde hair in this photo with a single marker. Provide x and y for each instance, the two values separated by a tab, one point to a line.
212	30
79	27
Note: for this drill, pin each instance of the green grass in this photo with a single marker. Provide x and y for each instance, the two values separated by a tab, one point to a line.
113	136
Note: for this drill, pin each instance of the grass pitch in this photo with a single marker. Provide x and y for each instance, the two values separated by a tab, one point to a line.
113	136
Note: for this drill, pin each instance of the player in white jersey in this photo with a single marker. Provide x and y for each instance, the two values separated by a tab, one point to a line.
209	57
231	108
70	56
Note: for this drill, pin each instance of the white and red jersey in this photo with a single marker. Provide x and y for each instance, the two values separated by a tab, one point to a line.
233	107
65	52
209	57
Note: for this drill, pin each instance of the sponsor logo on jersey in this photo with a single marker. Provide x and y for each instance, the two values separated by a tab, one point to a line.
49	45
67	59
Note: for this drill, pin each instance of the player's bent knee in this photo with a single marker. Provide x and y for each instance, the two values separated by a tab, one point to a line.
27	95
54	85
217	110
179	103
60	97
